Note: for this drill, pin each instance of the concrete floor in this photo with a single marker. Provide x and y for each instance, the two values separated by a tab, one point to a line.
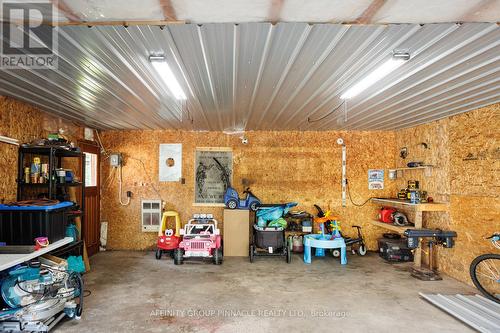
133	292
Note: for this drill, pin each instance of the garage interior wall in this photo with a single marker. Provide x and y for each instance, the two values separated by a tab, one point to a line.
278	166
466	152
298	166
24	122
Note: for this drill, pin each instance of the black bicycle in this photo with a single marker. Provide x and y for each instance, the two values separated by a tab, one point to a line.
485	271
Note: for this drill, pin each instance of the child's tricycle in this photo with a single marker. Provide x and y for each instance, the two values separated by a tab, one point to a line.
200	239
357	241
168	239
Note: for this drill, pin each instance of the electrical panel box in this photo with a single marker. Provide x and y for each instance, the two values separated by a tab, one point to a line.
115	160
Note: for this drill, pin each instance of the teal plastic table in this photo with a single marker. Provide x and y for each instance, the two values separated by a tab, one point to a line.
317	241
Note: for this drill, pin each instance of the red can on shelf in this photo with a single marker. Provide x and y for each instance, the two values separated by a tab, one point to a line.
385	214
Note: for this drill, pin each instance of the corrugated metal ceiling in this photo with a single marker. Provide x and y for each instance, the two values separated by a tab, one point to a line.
255	76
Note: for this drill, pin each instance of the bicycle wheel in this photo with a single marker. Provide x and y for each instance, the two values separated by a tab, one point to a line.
485	274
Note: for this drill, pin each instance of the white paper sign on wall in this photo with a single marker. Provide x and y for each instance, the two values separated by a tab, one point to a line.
375	179
170	162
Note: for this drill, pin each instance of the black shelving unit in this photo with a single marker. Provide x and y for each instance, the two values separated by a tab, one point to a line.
52	189
53	156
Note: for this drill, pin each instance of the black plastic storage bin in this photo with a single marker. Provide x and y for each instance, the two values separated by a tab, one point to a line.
20	225
269	238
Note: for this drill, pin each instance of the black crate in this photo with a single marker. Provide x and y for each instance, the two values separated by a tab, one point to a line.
270	238
395	250
21	225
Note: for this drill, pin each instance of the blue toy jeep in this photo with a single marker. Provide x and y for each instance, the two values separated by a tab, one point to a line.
233	201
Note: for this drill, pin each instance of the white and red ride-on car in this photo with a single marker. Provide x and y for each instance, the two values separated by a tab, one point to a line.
200	239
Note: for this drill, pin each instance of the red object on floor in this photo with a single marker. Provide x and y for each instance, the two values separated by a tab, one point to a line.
385	214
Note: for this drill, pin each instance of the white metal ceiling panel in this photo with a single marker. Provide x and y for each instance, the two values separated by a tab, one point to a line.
359	47
454	51
253	76
285	46
252	50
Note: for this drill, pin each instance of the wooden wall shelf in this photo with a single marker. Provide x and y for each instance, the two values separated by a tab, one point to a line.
414	168
405	204
426	168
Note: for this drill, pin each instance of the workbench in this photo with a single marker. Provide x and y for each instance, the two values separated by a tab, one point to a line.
418	209
10	260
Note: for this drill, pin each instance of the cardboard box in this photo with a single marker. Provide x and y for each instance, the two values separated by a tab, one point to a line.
236	233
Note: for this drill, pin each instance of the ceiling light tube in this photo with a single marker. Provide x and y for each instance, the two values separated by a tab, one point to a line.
387	67
163	69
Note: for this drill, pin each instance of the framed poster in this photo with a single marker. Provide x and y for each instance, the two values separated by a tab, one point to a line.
170	167
213	173
375	179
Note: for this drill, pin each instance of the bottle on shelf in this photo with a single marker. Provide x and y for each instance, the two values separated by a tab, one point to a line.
27	175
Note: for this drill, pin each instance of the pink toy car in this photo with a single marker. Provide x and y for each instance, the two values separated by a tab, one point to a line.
200	239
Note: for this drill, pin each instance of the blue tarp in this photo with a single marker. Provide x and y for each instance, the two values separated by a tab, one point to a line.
63	204
267	214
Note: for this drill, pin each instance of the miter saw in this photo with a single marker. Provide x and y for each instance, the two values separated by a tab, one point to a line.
38	296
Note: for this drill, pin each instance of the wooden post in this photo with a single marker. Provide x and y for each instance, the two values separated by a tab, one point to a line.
78	222
417	256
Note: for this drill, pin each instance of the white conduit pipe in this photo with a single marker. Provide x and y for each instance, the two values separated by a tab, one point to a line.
8	140
344	181
120	189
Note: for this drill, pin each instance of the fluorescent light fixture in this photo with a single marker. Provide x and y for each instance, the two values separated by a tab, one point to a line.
390	65
168	76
